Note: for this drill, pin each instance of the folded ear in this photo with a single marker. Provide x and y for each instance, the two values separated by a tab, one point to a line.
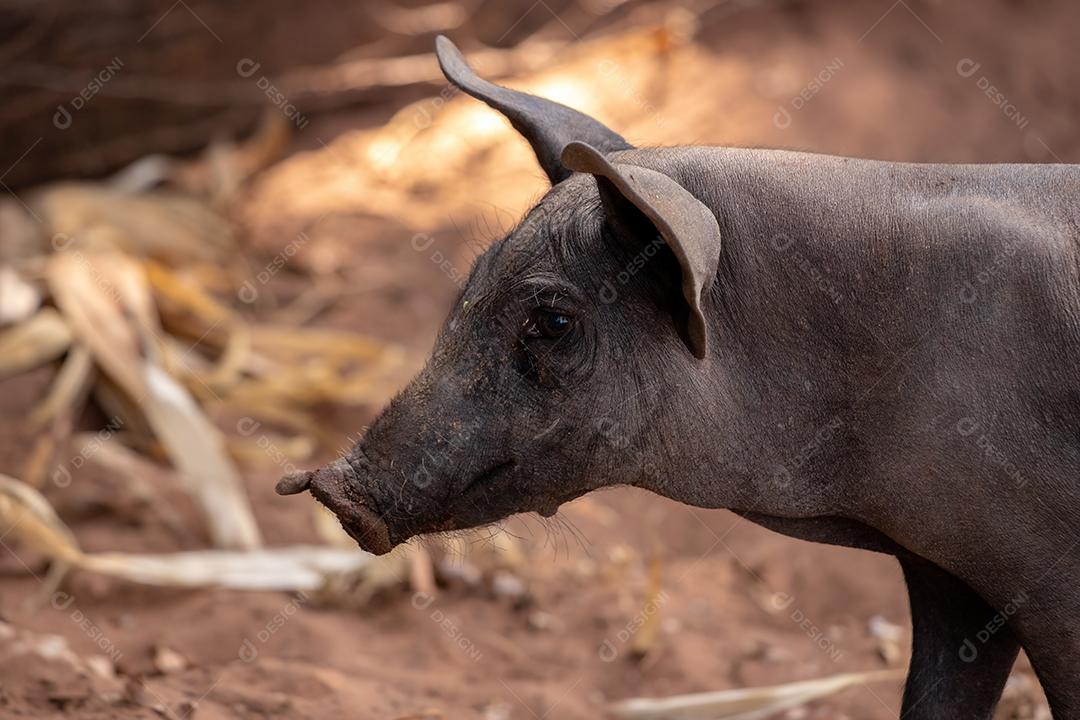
547	125
687	226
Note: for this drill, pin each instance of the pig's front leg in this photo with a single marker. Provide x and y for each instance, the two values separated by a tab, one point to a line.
955	673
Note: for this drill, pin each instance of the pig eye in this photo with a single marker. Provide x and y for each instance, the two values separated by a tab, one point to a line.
547	323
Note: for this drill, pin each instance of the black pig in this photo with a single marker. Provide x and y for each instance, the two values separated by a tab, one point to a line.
872	354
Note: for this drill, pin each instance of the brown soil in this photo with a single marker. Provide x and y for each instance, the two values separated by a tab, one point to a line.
740	606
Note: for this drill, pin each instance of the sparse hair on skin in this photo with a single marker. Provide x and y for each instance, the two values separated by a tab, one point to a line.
809	341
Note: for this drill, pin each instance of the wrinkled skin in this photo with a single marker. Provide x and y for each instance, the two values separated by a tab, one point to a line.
501	422
891	365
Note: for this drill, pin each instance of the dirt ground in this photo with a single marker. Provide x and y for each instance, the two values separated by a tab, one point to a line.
739	606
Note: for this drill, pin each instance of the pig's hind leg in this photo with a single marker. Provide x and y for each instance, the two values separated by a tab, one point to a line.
953	673
1047	626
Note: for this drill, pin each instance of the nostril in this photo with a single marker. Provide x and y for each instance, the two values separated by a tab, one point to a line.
337	477
337	486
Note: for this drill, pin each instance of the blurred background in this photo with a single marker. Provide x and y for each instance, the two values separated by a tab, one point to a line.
229	232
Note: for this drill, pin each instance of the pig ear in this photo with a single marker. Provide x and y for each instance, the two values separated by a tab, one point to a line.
687	226
547	125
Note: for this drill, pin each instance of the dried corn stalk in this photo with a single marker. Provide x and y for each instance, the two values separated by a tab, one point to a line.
108	305
26	515
69	388
301	567
171	228
18	298
91	270
33	343
197	450
746	703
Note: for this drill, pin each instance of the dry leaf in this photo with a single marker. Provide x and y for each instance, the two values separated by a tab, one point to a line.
197	450
44	448
18	298
68	390
91	305
36	341
888	636
645	636
268	448
164	226
421	571
132	470
108	304
27	515
21	233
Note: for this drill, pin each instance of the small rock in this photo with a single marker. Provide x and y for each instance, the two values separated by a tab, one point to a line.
185	709
497	711
169	661
888	636
775	654
540	620
18	298
885	630
507	585
101	666
461	571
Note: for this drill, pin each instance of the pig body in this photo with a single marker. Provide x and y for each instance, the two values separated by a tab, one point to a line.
871	354
896	356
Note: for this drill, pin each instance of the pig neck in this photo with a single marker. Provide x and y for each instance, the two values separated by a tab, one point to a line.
775	412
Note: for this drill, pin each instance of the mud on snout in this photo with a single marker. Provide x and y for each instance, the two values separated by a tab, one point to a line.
337	487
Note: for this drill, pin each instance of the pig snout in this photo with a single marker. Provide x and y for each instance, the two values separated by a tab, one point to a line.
337	487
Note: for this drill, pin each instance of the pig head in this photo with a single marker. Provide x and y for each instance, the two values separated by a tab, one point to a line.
532	395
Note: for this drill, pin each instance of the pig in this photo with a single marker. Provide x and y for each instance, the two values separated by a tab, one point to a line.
877	355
